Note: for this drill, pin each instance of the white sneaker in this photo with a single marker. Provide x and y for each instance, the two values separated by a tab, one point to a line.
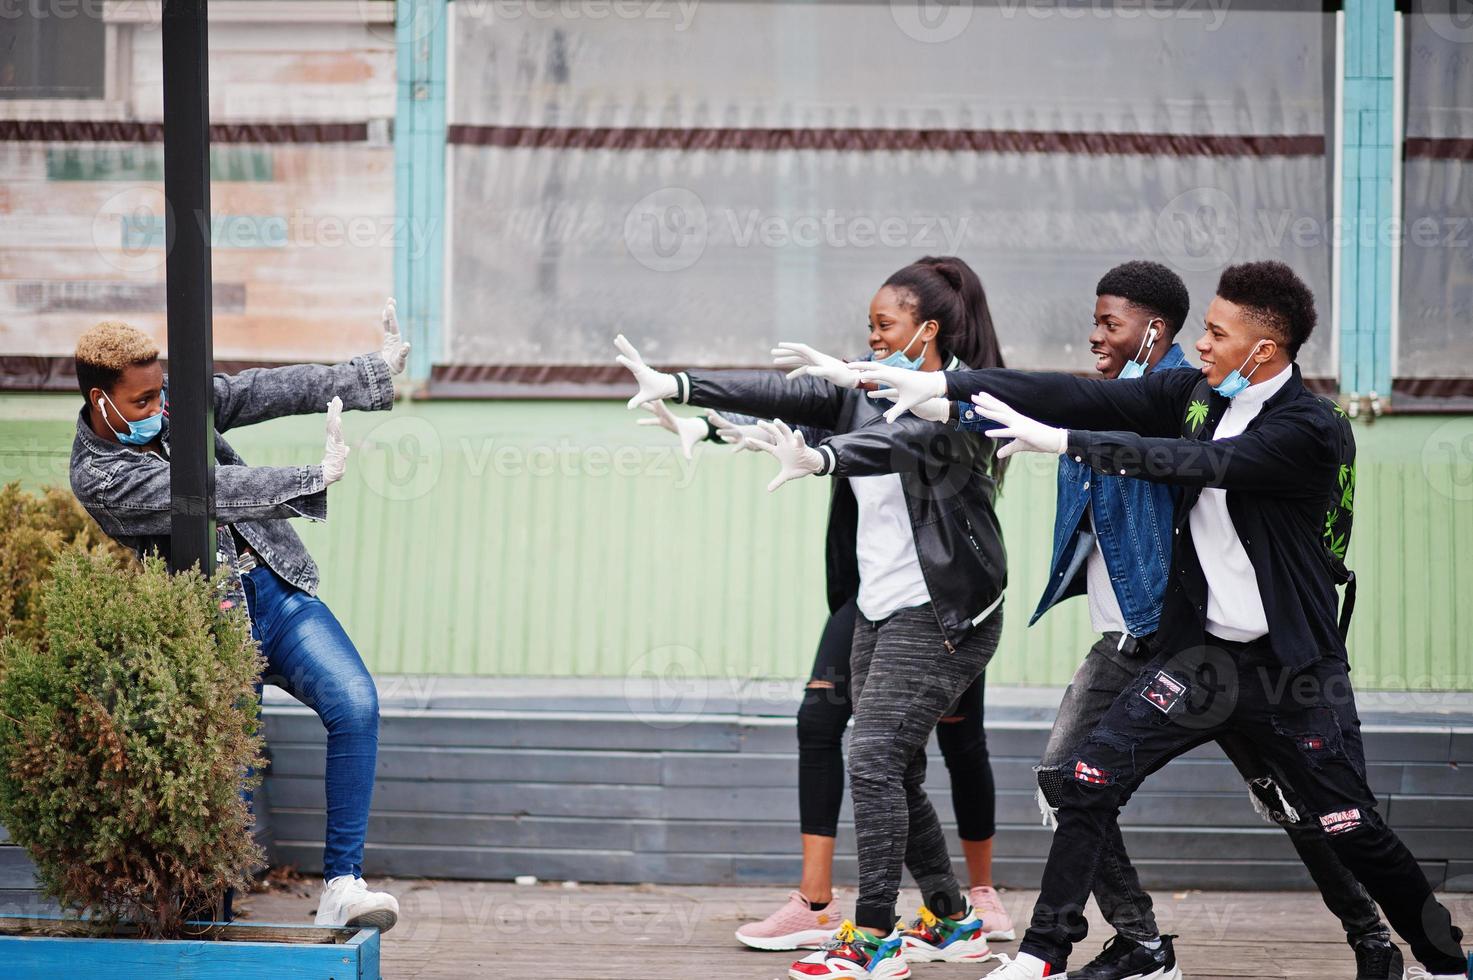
346	901
1025	966
1417	972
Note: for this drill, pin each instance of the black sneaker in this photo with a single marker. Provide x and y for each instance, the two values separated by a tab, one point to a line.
1377	961
1126	959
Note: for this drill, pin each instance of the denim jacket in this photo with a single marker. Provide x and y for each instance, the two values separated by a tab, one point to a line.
1133	521
127	491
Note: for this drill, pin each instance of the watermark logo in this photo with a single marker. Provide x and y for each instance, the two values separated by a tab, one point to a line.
403	458
668	685
667	230
932	21
128	229
1447	459
1199	230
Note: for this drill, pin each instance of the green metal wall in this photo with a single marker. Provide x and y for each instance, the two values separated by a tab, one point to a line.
559	538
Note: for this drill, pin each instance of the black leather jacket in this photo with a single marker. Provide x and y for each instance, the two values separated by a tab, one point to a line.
944	473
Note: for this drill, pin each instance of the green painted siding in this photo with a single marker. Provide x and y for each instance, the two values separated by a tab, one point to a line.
145	162
520	538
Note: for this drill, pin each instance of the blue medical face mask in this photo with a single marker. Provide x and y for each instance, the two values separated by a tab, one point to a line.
139	433
898	358
1137	368
1235	382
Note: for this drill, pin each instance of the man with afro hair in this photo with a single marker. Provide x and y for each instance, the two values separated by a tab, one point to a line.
1249	642
1120	563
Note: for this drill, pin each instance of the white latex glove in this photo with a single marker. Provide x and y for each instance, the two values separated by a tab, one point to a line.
739	437
800	359
335	459
689	430
1028	435
906	388
653	384
932	409
795	456
396	348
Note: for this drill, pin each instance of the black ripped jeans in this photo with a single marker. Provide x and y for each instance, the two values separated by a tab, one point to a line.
1304	724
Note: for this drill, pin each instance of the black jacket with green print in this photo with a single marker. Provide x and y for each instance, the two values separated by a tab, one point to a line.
1278	474
945	474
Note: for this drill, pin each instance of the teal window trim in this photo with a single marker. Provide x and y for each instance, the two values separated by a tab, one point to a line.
421	31
1369	153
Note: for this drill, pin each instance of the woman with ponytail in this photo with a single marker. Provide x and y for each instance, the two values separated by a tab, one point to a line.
912	534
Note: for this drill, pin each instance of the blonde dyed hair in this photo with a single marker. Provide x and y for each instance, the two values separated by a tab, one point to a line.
113	345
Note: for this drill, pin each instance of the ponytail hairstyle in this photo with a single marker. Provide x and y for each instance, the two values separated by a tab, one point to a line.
945	289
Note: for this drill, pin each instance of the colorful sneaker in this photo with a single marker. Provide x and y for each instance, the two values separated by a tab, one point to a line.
996	923
793	926
852	952
935	937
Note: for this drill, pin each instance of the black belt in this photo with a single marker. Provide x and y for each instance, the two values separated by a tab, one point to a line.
1134	646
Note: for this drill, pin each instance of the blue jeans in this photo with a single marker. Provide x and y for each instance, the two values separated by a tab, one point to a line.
309	656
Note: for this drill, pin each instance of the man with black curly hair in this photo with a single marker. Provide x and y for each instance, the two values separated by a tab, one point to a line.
1249	641
1112	543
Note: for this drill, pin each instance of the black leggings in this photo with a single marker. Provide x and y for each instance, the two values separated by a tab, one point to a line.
825	713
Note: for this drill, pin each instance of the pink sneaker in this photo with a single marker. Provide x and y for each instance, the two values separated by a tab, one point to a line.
794	926
996	923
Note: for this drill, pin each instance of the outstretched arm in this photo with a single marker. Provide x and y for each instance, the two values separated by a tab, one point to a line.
1149	405
364	384
1289	455
911	444
136	501
764	394
133	498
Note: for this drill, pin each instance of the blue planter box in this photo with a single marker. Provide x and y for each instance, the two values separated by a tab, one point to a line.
233	951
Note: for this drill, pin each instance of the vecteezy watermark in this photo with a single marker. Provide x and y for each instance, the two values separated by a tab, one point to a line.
130	230
1278	228
123	229
604	912
1447	459
932	21
670	229
666	230
59	9
403	458
679	14
667	687
1199	229
1451	20
938	21
1203	229
1214	12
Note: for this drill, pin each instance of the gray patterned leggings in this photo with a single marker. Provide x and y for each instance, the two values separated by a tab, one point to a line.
904	681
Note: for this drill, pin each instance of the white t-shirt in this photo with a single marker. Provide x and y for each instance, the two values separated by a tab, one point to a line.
1234	605
1105	615
889	571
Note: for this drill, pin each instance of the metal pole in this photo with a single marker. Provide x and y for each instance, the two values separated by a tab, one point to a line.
188	284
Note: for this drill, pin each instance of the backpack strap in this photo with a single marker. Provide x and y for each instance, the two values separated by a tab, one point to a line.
1339	518
1347	607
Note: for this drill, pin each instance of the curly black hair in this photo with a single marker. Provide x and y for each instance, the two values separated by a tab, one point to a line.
1150	286
1273	296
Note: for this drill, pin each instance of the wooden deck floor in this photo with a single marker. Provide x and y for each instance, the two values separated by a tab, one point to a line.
452	930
